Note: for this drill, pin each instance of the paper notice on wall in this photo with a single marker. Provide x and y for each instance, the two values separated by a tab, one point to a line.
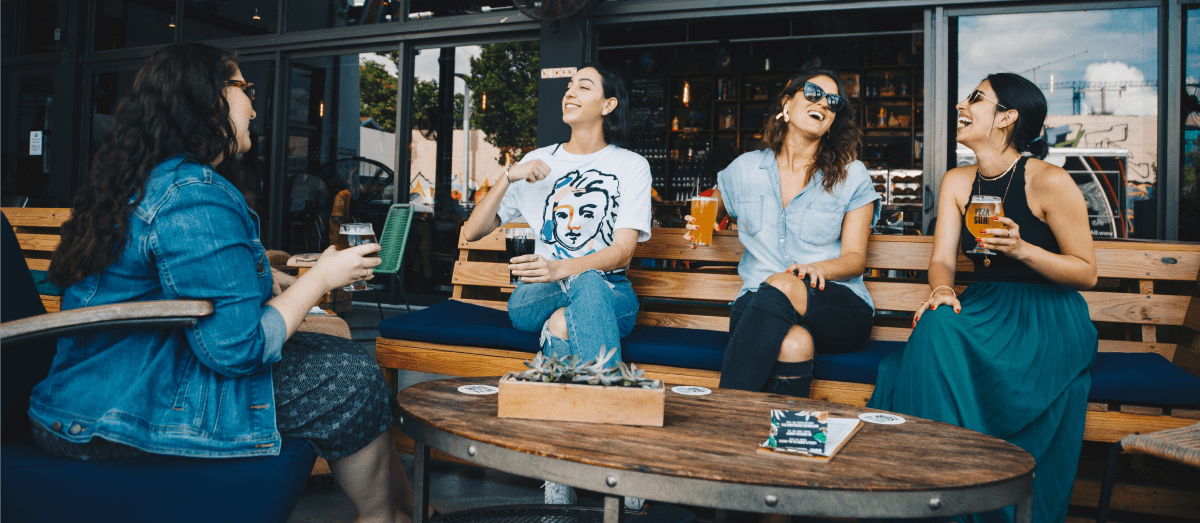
35	143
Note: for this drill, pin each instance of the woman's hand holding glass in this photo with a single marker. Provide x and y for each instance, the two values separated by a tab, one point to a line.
1006	240
336	269
533	268
691	226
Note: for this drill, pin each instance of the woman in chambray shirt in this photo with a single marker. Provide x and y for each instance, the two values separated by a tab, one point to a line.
157	221
804	208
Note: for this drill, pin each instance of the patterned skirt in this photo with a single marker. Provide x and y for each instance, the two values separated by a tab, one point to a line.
328	391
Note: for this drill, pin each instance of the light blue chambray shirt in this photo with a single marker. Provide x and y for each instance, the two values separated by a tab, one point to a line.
809	230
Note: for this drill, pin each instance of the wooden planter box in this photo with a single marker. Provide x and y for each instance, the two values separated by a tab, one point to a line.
583	403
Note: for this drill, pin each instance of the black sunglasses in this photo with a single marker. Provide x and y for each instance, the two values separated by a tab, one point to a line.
246	87
976	95
814	93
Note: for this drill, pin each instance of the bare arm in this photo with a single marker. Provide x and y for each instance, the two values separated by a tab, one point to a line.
943	264
334	269
1056	195
535	269
484	219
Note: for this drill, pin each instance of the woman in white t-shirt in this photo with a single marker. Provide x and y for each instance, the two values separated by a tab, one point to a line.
588	201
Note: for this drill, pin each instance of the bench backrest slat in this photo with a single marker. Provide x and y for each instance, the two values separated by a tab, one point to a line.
37	231
1114	259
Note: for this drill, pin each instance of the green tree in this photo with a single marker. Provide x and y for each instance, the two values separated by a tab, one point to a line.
377	91
508	75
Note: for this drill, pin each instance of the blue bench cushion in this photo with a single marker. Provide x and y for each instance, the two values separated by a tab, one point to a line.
1117	377
42	487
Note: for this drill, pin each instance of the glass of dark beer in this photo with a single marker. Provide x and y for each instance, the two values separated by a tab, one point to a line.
353	235
517	242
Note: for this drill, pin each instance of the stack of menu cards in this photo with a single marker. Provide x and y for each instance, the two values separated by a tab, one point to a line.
808	434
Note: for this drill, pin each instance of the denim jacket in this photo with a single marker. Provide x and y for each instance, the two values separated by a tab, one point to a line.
203	391
808	230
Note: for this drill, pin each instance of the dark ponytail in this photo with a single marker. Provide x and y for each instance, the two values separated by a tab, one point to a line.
1017	93
617	122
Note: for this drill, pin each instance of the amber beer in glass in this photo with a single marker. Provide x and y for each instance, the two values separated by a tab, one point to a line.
353	235
704	210
979	217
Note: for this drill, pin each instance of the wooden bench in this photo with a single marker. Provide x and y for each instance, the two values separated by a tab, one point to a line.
1144	286
37	231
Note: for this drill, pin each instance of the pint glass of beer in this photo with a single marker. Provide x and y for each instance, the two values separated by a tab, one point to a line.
353	235
704	210
517	242
979	217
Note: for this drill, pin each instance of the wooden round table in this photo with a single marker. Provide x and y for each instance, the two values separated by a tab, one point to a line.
706	454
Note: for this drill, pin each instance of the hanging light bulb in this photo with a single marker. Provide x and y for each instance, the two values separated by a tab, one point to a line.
321	112
256	17
172	23
687	91
483	106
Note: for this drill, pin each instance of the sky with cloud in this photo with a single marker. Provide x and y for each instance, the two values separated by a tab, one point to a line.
1193	45
1116	45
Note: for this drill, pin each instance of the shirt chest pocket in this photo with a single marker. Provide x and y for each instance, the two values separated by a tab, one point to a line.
819	224
749	214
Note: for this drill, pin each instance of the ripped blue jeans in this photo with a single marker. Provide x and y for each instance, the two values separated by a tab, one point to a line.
601	309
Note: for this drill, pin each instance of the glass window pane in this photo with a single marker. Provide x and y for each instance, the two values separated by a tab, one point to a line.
122	24
8	28
41	18
1098	70
107	88
340	164
26	172
420	9
209	20
1189	194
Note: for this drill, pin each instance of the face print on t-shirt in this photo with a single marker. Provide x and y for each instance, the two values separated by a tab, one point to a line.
580	210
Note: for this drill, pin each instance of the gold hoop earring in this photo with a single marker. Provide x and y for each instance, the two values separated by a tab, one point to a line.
989	139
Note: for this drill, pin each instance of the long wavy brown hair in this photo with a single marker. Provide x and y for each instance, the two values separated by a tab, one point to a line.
837	148
176	106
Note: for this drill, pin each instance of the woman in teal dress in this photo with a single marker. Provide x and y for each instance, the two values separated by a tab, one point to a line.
1012	355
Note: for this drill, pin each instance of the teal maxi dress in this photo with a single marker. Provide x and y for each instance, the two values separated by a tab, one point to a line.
1015	363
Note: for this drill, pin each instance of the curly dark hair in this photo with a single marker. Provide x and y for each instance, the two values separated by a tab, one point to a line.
837	148
177	106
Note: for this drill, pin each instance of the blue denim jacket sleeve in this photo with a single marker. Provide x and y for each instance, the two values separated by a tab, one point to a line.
201	243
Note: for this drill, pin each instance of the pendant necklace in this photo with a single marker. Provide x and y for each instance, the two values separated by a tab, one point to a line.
987	261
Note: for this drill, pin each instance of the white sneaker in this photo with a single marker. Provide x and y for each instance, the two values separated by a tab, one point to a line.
559	494
634	503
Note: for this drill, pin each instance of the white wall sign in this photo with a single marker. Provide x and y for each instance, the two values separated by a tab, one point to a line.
559	72
35	143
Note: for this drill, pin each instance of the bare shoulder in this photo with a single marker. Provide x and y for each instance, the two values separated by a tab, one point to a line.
1047	178
958	178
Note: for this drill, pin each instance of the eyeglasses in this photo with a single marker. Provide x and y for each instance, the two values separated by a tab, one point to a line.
975	96
814	93
246	87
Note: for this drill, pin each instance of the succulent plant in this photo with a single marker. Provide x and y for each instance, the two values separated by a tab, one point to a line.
592	372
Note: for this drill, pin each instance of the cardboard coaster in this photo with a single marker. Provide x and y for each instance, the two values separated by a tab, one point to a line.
880	418
688	390
478	390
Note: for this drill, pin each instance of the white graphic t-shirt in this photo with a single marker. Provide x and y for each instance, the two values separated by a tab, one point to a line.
576	208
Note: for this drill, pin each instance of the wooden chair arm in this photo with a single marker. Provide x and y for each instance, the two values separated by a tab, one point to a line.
143	314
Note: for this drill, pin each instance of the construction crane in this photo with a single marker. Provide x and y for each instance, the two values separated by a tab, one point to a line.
1036	67
1079	87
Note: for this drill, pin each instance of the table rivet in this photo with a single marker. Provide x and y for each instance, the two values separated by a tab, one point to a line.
935	503
611	481
771	500
471	450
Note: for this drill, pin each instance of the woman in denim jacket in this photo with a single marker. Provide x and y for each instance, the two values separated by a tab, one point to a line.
804	208
155	222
